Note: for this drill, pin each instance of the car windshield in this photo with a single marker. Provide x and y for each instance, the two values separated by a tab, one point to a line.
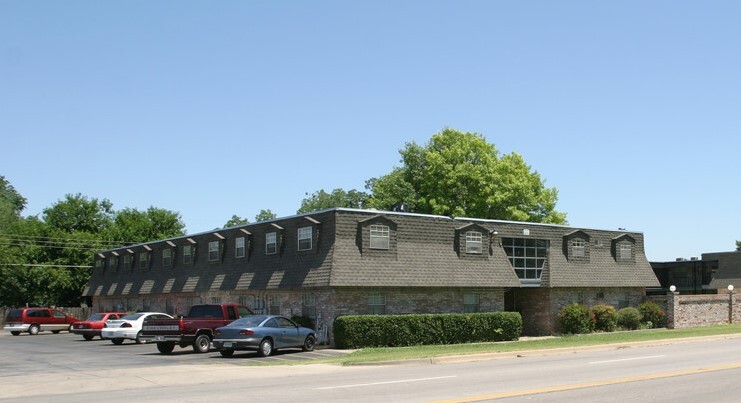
96	317
133	316
248	321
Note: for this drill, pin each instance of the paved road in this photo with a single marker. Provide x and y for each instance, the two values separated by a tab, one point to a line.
690	371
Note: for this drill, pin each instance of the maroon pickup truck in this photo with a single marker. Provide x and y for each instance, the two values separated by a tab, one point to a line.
196	329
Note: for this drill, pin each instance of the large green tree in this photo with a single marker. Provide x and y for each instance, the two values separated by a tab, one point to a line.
461	174
134	226
321	200
11	204
47	260
738	246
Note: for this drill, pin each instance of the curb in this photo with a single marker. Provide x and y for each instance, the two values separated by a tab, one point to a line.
452	359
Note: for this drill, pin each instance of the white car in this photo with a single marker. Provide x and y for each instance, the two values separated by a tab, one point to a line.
129	327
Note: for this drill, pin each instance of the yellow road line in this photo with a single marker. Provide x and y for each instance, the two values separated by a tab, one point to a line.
591	384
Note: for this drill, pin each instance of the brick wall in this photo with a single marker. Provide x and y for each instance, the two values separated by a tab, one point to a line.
701	310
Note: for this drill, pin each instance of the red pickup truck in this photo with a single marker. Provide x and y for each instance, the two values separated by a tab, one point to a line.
196	329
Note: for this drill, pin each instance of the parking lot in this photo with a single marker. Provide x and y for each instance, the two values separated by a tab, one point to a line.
46	352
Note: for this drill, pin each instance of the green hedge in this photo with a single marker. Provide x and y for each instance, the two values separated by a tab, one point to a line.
359	331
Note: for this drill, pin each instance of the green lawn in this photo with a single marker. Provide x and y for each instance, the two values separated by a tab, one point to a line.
405	353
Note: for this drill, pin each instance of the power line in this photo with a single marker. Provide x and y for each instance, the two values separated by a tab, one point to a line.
61	239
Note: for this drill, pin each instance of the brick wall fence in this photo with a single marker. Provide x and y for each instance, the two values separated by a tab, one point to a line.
684	311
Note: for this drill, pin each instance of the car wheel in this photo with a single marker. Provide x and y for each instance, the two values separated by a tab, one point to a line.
117	341
266	348
139	338
309	343
34	329
165	348
15	333
226	353
87	337
202	343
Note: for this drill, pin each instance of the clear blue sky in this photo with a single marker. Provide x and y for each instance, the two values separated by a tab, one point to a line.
631	109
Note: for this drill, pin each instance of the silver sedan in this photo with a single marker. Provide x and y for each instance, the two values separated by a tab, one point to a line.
264	334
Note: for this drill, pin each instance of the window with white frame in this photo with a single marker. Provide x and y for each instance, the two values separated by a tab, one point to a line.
474	242
578	247
626	251
239	248
99	265
213	251
166	257
527	256
187	254
379	236
304	238
376	304
271	243
471	303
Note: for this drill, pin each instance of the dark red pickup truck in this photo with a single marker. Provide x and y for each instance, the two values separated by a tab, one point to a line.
196	329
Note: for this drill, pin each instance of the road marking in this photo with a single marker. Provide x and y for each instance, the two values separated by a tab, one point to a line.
358	385
561	388
628	359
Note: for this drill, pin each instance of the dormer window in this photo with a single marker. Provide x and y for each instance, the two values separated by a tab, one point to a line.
625	251
271	243
304	238
379	236
578	247
166	257
474	242
239	247
213	251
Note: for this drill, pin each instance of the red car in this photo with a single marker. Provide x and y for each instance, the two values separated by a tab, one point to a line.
35	320
92	326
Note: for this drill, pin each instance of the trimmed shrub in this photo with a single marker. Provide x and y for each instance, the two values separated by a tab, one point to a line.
652	313
575	319
359	331
629	318
605	318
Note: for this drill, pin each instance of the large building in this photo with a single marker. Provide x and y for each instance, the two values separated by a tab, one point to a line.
346	261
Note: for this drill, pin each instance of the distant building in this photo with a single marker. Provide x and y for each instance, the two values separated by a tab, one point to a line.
346	261
691	276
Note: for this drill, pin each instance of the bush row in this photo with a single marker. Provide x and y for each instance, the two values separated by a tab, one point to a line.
578	318
359	331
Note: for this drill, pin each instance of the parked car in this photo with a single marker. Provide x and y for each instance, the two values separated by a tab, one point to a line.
35	320
129	327
264	334
195	330
92	326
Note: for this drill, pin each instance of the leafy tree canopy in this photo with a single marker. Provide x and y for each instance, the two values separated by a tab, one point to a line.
236	220
462	175
738	246
265	215
322	200
11	204
134	226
